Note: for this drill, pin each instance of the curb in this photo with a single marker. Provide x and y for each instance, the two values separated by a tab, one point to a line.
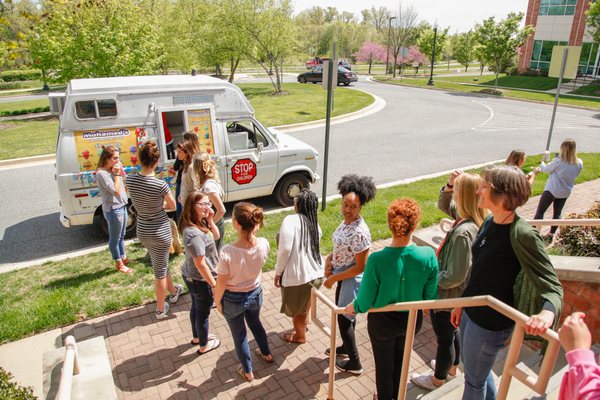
25	160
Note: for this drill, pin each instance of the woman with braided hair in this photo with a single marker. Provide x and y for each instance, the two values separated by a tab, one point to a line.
299	263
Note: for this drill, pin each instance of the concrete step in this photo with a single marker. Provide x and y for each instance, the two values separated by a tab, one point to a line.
95	380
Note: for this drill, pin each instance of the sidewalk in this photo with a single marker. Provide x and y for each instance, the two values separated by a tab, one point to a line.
153	359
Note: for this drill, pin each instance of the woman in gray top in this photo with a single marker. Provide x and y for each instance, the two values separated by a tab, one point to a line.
109	178
200	268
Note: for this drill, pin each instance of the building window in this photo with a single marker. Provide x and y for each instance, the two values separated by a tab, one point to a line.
587	58
542	53
557	7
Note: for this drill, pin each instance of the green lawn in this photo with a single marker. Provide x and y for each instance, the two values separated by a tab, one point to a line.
301	103
59	293
593	89
23	105
27	138
444	83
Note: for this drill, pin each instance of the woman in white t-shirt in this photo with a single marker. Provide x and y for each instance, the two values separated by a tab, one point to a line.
109	178
238	294
299	263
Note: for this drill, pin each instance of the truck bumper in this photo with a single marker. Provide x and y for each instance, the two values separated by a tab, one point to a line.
315	178
64	220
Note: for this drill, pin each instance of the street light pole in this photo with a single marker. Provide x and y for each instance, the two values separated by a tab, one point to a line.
387	59
430	83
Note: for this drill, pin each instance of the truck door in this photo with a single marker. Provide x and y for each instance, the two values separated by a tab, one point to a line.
251	160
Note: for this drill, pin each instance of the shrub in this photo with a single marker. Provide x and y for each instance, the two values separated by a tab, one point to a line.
11	390
10	85
583	241
21	75
24	111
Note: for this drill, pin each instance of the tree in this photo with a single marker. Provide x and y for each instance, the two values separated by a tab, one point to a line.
425	42
464	49
95	39
376	17
370	53
403	31
593	20
16	20
413	58
269	24
498	41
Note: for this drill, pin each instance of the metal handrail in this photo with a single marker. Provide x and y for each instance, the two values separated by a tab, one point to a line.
510	368
70	367
538	223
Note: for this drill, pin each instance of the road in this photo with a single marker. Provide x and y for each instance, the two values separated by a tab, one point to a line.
418	132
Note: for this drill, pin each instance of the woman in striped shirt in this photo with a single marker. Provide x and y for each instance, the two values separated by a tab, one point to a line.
151	197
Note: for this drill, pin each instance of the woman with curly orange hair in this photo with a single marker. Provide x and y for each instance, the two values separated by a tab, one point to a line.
400	272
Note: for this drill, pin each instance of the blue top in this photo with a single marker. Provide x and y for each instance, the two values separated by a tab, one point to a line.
562	176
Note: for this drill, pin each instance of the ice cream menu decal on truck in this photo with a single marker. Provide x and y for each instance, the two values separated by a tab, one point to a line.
88	145
200	121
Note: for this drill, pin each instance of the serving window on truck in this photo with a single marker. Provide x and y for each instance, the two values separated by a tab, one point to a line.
88	145
174	122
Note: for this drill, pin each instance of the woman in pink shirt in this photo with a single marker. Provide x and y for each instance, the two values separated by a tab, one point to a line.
582	380
238	294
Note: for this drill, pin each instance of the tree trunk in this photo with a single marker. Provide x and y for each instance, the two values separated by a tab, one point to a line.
233	67
448	64
497	73
218	71
370	63
481	67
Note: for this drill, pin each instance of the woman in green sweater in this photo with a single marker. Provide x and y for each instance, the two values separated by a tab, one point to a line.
400	272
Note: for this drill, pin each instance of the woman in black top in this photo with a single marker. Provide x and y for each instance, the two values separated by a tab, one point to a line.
505	246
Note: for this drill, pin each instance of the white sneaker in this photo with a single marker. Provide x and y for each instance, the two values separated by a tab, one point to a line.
174	297
448	377
424	381
163	314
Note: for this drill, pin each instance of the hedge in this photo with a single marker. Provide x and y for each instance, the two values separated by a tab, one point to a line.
21	75
10	85
24	111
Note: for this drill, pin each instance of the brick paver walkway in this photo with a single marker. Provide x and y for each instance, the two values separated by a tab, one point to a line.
153	359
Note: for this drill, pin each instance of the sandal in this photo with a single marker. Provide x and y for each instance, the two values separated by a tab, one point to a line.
210	337
240	371
269	359
124	269
210	346
125	261
291	337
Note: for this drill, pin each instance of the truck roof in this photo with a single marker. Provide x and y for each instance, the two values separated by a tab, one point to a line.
152	82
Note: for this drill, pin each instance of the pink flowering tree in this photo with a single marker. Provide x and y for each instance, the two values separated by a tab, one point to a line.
414	58
370	53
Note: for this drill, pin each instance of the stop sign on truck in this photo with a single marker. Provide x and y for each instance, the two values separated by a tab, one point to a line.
243	171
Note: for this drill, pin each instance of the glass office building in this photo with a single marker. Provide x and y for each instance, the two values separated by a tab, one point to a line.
558	22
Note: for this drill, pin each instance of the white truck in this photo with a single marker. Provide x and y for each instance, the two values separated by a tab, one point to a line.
126	111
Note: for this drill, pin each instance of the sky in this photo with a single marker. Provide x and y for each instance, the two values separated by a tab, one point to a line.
459	15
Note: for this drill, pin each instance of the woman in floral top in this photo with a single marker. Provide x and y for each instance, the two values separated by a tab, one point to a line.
345	265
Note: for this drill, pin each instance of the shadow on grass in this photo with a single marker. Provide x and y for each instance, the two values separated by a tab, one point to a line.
251	92
79	279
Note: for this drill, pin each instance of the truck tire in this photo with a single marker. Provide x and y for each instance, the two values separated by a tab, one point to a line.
302	79
130	231
288	187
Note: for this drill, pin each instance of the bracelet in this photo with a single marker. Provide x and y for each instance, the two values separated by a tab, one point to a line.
449	186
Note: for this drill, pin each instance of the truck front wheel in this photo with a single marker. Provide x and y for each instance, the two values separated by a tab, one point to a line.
289	187
130	230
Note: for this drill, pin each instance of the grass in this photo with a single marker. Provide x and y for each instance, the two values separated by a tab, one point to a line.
301	103
593	89
59	293
16	137
449	84
23	105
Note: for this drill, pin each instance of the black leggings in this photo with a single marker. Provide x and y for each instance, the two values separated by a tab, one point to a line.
347	331
448	346
545	200
387	332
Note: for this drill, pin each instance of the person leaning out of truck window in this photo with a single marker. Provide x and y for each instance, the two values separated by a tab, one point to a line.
151	198
206	177
186	149
109	178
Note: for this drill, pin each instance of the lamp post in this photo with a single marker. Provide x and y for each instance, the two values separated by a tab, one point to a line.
430	83
387	59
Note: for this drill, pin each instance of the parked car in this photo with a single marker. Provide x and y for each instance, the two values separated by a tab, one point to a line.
345	64
316	75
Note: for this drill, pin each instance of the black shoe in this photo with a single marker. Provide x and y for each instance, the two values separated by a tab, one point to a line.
339	351
351	367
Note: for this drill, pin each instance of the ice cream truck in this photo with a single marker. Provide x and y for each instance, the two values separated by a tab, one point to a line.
253	160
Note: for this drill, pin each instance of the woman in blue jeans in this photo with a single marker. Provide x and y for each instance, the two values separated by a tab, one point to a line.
506	248
200	268
109	178
238	294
